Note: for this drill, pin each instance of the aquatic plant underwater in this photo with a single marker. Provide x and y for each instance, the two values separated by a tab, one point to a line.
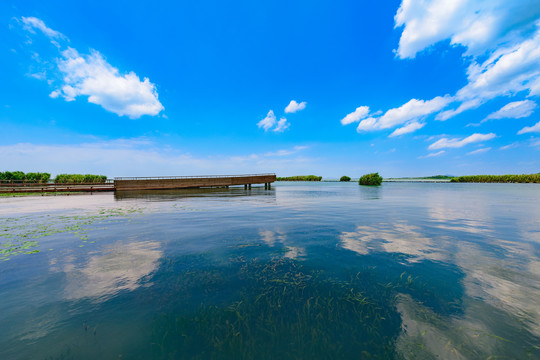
282	310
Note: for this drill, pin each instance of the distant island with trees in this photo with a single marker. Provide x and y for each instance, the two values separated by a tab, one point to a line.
373	179
300	178
524	178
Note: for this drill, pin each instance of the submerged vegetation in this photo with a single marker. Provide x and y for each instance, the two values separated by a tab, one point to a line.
79	178
345	178
34	177
373	179
22	235
524	178
281	310
300	178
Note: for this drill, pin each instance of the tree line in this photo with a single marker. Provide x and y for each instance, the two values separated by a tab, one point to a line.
42	177
300	178
524	178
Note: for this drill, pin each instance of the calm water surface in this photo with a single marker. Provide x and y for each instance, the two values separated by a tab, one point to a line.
304	270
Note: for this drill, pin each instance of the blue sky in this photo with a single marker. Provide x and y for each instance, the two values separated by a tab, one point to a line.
405	88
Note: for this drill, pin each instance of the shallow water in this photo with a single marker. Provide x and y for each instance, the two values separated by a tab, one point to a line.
304	270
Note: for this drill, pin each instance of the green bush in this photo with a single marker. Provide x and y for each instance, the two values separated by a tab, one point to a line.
300	178
524	178
345	178
373	179
34	177
38	177
13	175
79	178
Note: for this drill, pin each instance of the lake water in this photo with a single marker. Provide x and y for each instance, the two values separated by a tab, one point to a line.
304	270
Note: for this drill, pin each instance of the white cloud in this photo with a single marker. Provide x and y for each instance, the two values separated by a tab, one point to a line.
32	23
439	153
92	76
295	107
464	106
268	122
530	129
409	128
513	110
504	35
507	71
509	146
457	143
479	151
477	25
407	113
357	115
286	152
282	125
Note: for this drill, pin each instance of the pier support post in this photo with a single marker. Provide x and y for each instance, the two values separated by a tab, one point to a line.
249	186
269	186
245	186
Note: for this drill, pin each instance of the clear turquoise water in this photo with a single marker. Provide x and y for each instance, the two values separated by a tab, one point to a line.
304	270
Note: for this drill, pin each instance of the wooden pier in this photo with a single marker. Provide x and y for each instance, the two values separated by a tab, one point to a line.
144	183
18	188
183	182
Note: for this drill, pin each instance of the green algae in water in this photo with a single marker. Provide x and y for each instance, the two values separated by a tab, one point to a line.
20	235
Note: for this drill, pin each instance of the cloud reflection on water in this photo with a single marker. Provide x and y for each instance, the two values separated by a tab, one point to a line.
392	238
501	275
121	267
273	238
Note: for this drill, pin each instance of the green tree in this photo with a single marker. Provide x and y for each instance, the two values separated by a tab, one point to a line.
373	179
345	178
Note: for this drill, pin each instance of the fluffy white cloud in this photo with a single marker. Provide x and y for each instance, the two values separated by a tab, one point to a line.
32	23
357	115
282	125
457	143
530	129
505	35
479	151
268	122
409	128
478	25
295	107
92	76
408	114
513	110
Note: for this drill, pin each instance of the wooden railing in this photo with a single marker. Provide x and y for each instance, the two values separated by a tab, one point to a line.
14	183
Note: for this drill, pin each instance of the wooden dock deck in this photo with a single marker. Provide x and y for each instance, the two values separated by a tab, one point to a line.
183	182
